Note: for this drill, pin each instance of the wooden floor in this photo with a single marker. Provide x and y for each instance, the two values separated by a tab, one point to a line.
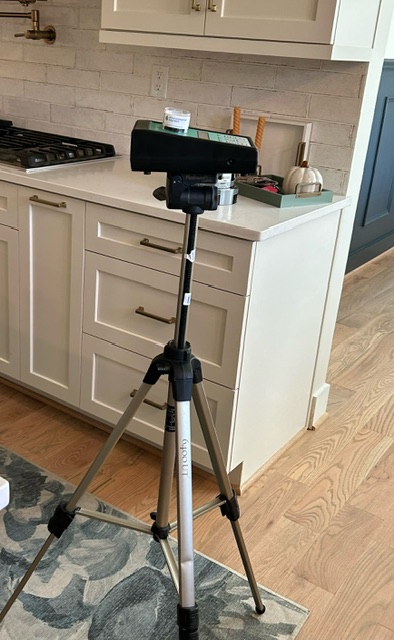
319	523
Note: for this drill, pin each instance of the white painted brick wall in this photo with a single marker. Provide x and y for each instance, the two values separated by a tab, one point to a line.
83	88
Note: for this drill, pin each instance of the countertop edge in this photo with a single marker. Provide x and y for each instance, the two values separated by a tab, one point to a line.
247	219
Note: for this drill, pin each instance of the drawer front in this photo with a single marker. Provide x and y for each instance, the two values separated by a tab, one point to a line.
221	261
9	204
110	374
118	294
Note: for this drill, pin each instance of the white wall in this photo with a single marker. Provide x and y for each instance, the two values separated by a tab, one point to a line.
83	88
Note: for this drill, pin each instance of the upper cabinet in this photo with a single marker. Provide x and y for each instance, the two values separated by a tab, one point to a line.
327	29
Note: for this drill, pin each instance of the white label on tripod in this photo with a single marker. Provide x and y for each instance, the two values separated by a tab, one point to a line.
191	256
187	299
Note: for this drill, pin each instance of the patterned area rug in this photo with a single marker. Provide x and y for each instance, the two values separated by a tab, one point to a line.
102	582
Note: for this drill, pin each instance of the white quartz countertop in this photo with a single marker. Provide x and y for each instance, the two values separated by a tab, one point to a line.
111	182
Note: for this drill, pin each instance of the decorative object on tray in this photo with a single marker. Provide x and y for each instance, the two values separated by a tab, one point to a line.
300	182
269	189
302	179
104	582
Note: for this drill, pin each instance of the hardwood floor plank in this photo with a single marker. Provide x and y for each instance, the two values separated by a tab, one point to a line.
333	485
377	632
299	590
369	365
341	333
385	533
332	557
365	599
375	493
383	420
317	448
356	346
365	295
337	398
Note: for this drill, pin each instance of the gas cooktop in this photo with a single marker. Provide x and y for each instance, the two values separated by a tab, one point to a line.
32	149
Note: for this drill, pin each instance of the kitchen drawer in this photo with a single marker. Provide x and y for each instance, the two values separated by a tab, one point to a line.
110	374
221	261
115	290
9	204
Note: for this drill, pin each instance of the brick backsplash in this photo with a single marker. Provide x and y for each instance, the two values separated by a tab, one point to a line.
80	87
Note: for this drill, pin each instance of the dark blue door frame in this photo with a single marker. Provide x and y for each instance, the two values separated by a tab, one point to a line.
373	230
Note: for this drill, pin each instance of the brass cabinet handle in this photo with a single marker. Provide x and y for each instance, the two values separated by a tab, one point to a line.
141	311
62	205
212	6
147	243
162	407
196	6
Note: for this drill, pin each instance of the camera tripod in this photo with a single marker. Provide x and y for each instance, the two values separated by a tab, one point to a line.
185	383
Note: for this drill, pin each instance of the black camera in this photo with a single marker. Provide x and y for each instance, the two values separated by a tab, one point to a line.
195	151
192	160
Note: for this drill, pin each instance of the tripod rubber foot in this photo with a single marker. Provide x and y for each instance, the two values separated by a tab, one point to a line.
260	611
188	622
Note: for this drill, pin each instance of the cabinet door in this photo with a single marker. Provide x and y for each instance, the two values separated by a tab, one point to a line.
51	259
110	374
134	306
8	204
283	20
9	302
170	16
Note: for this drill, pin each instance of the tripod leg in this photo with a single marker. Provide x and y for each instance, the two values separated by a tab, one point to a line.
24	580
187	609
161	527
64	513
231	509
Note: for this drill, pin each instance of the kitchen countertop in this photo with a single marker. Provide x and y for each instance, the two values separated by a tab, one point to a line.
111	182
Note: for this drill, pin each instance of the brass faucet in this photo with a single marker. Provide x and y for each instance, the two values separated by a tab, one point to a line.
48	33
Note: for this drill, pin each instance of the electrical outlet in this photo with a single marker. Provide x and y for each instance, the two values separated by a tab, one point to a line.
159	82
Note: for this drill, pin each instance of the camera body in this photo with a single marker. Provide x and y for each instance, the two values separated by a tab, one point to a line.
192	159
195	151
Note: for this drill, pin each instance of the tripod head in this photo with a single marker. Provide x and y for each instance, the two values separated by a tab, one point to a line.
192	159
192	194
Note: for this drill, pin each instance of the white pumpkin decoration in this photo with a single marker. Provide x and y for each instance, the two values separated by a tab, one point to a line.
302	175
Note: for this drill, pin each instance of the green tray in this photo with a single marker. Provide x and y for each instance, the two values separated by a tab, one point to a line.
279	200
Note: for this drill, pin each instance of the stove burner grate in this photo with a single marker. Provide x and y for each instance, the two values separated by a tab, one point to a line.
29	149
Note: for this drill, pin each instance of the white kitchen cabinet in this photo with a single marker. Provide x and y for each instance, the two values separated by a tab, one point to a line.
51	278
337	29
110	374
172	16
9	281
258	346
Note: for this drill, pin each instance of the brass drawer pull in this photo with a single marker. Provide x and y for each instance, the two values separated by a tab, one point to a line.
147	243
196	6
142	312
162	407
212	6
59	205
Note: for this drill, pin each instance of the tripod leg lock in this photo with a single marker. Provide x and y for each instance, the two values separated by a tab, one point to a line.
159	533
188	622
61	519
230	508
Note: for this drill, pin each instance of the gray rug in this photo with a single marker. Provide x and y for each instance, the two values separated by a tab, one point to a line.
103	582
